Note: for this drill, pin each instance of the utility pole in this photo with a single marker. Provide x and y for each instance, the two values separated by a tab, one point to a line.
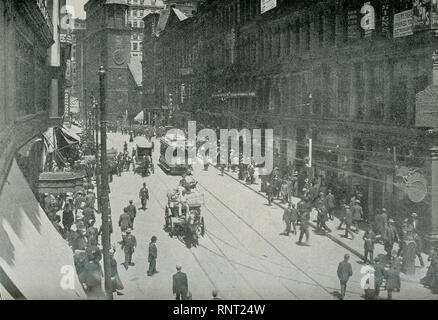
106	240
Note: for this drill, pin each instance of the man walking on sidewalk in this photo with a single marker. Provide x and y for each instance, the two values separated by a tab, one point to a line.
290	216
369	238
129	243
132	211
144	196
152	257
330	204
180	284
304	227
348	221
344	273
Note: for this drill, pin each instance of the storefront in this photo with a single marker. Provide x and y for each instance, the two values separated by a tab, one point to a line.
35	262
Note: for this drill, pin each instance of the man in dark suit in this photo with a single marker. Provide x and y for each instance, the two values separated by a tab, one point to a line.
152	257
180	284
344	273
125	220
132	211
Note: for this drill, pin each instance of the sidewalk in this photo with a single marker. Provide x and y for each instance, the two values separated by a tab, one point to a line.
355	246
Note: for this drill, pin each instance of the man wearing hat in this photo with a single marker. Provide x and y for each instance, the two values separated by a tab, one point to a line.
357	214
132	211
129	243
125	220
144	196
152	257
79	241
67	217
390	237
344	273
380	222
90	199
89	215
330	203
369	239
180	284
379	276
115	279
92	232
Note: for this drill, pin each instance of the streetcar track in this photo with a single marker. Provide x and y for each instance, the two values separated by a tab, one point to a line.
247	251
194	256
224	255
266	240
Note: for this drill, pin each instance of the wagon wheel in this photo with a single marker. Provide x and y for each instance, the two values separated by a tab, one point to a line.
201	227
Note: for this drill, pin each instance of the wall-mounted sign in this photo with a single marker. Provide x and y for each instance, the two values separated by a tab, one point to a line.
434	14
421	13
353	25
385	16
403	24
266	5
368	21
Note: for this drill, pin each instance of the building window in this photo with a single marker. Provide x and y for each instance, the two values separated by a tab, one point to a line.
320	29
297	36
135	46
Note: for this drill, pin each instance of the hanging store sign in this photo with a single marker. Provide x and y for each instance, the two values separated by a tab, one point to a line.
368	20
385	15
266	5
403	24
421	14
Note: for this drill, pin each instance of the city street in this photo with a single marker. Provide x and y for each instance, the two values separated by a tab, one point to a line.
242	253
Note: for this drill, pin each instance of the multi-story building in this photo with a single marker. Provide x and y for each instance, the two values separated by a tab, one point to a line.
138	9
316	70
32	64
107	44
77	66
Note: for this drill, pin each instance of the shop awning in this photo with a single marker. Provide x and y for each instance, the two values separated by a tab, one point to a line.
139	117
69	135
34	258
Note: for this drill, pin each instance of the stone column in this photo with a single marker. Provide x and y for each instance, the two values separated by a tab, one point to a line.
303	30
339	30
432	220
328	35
314	34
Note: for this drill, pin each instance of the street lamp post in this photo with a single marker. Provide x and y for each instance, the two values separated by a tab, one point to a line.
106	240
95	112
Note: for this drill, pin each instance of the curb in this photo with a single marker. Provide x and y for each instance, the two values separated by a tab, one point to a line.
334	239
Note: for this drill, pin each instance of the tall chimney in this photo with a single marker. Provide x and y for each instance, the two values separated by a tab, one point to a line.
435	68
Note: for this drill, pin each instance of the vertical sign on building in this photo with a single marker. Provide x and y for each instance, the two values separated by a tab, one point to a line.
385	16
266	5
368	20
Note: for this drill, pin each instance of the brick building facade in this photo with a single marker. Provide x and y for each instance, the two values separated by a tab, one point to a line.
316	73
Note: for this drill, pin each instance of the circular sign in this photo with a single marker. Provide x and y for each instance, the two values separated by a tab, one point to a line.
416	187
118	57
